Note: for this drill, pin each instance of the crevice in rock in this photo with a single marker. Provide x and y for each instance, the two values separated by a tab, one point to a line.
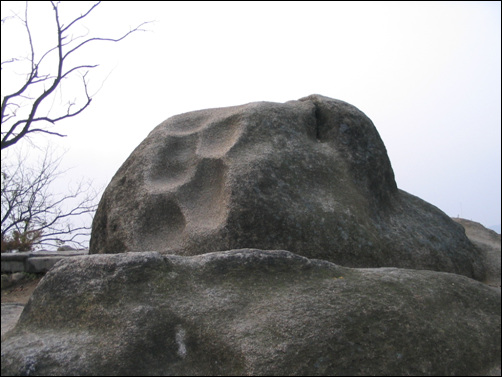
317	115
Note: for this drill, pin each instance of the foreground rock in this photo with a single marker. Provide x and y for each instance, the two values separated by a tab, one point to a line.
251	312
311	176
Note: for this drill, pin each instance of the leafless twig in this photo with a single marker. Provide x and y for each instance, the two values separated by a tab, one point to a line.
45	76
30	207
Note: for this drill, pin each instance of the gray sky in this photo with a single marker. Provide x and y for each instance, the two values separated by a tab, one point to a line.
427	74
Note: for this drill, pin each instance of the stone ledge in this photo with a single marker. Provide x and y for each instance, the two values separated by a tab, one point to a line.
35	262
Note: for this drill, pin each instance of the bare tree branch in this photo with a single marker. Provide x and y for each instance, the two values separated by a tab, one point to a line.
34	88
31	209
32	215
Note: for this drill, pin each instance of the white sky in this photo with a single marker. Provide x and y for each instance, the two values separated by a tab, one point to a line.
427	74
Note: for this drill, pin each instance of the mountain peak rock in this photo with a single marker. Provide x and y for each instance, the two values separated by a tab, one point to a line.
310	176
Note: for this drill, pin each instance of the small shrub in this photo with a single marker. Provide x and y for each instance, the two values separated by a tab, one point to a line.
20	241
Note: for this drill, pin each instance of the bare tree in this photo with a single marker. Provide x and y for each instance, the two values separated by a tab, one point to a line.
46	72
33	215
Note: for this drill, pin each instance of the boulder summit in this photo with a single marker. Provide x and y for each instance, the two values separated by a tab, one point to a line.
310	176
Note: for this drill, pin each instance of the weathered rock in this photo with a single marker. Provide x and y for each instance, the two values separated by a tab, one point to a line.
251	312
310	176
489	242
10	310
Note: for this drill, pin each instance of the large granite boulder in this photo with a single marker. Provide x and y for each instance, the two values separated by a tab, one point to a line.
310	176
251	312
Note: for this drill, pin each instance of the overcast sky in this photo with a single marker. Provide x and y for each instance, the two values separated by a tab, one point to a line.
427	74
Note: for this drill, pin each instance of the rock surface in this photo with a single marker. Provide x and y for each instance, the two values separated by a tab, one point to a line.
488	241
310	176
9	311
251	312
